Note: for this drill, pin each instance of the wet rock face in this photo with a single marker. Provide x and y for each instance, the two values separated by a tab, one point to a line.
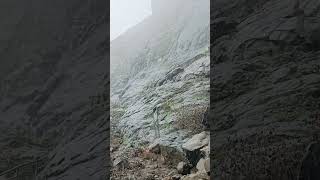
315	39
46	87
223	27
263	84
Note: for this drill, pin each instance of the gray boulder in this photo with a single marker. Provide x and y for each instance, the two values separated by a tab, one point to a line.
192	146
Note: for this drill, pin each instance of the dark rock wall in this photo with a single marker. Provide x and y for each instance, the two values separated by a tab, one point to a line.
53	60
264	87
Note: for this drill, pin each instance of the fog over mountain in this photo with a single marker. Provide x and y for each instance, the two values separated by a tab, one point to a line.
162	62
135	12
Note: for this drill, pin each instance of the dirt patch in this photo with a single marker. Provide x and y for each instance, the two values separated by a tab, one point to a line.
140	163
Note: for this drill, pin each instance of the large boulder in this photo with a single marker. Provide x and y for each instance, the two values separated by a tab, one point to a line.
193	147
197	141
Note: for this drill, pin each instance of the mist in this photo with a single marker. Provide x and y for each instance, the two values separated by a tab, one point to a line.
127	13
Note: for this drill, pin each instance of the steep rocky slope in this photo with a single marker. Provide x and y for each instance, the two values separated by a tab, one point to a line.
53	59
162	62
265	87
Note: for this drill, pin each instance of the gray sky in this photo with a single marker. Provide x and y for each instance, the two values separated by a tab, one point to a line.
127	13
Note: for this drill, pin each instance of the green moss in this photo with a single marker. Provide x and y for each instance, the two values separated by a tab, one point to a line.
202	96
167	124
126	141
167	106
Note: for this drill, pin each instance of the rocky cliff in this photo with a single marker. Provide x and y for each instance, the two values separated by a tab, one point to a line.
264	87
161	65
53	59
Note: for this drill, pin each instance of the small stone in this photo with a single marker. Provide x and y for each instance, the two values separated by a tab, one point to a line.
121	163
113	149
154	148
149	177
171	173
183	168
